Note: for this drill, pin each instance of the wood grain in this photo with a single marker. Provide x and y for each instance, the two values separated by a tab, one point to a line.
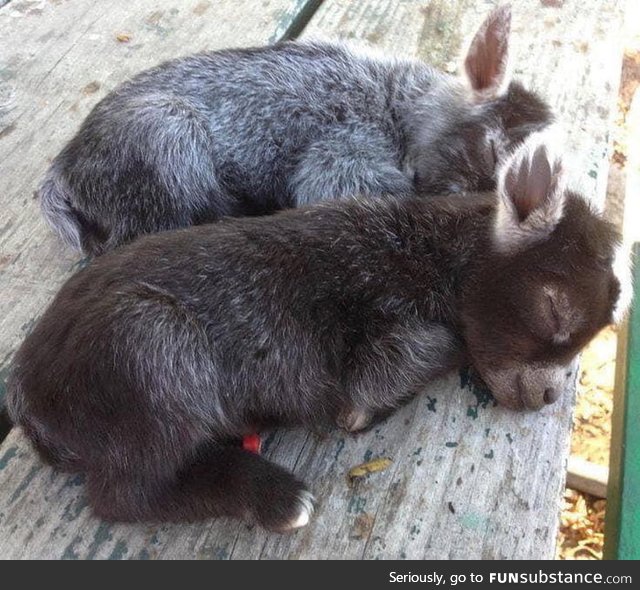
465	482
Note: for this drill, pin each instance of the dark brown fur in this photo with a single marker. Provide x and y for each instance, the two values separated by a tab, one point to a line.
154	357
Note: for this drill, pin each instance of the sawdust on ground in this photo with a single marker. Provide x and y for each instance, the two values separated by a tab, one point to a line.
581	534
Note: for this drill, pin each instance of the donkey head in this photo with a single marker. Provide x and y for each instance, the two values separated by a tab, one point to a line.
554	274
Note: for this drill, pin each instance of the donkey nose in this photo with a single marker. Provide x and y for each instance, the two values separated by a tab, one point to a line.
551	395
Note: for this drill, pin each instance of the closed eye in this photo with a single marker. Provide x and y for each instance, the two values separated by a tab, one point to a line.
554	313
561	335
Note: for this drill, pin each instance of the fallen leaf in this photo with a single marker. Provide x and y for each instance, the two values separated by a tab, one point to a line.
365	469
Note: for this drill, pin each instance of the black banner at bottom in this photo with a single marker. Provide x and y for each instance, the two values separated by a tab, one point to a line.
366	575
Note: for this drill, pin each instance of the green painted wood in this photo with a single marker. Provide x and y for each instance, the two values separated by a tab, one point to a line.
622	533
304	10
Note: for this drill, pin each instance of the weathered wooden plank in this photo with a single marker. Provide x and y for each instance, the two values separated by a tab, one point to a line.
588	477
57	59
450	470
467	480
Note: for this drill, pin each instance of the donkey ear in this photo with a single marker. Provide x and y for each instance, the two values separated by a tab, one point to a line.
487	58
531	194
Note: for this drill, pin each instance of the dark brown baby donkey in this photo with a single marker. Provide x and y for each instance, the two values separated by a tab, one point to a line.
154	358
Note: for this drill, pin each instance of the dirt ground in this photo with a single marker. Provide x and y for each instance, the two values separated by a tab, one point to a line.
581	533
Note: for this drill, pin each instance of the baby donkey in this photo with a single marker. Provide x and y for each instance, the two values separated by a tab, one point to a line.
252	131
153	359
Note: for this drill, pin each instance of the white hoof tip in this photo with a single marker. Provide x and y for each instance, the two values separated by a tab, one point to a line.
305	510
361	421
355	420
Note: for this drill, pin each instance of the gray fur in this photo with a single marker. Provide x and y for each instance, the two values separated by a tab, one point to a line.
252	131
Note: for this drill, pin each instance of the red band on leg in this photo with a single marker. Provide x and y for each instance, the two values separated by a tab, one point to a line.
252	443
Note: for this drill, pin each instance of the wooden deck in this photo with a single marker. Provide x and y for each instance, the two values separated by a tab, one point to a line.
467	479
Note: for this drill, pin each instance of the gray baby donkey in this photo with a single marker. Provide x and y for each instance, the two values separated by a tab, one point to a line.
252	131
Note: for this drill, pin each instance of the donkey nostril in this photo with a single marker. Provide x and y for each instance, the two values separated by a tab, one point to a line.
550	395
